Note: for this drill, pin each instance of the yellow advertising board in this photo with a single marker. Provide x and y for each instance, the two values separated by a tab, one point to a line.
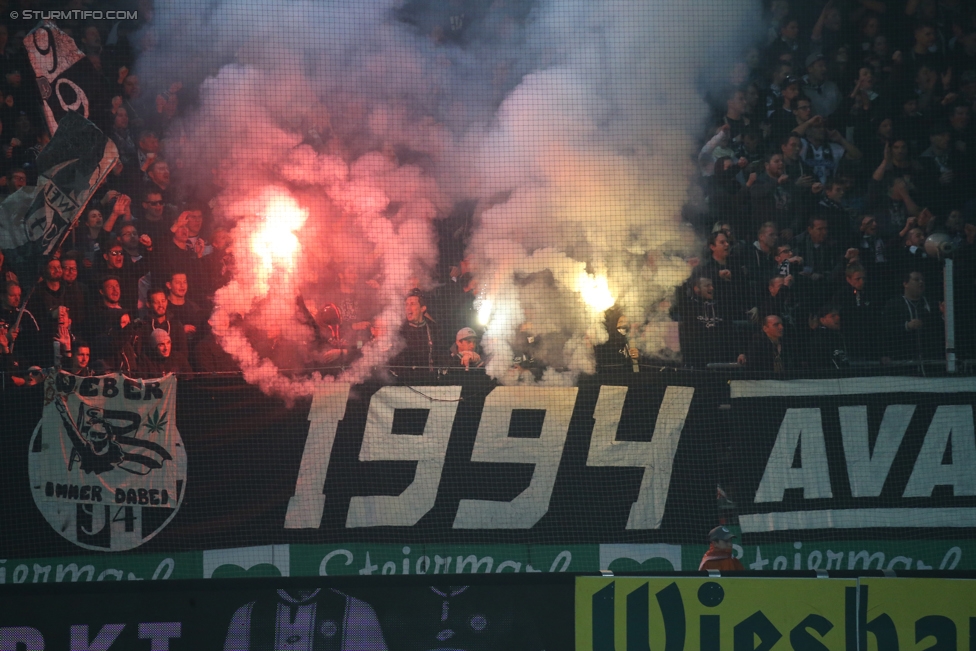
916	614
770	614
631	614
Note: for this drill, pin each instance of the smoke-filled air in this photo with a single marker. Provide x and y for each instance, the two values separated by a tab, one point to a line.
339	134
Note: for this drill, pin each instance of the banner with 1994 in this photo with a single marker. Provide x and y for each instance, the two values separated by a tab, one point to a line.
821	473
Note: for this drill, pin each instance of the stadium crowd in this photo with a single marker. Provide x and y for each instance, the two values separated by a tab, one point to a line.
842	142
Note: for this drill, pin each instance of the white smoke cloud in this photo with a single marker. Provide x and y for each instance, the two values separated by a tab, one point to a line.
593	155
571	124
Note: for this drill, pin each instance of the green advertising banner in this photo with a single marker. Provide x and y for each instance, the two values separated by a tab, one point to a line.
848	555
102	567
367	559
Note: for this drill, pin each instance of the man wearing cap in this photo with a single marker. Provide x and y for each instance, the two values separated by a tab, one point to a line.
824	94
719	554
464	352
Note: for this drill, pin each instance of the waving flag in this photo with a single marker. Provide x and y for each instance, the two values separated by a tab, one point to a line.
34	221
66	78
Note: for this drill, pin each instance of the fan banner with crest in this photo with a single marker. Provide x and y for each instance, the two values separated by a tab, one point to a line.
107	464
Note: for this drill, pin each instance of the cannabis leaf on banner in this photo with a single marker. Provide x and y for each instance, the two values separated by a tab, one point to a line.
156	423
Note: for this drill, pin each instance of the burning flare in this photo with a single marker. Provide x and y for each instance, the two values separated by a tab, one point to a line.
276	241
595	291
484	311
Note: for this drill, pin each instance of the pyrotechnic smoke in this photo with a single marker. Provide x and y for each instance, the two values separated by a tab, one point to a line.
571	124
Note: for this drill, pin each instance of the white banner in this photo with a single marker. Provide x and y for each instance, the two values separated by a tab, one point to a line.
107	464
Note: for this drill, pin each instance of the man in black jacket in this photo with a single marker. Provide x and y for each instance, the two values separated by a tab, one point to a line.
771	195
769	351
911	256
913	326
705	327
105	324
729	282
758	262
856	301
422	349
838	219
823	262
826	347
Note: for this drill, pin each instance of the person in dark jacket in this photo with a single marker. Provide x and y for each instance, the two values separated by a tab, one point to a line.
420	336
826	346
618	353
466	352
758	262
208	356
105	320
778	300
24	334
162	359
913	326
769	351
857	302
75	293
705	326
729	283
911	256
823	264
771	196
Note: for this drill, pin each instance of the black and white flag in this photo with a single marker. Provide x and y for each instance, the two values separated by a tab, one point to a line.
35	220
66	78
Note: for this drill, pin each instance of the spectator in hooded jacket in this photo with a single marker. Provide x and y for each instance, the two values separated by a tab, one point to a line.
705	325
